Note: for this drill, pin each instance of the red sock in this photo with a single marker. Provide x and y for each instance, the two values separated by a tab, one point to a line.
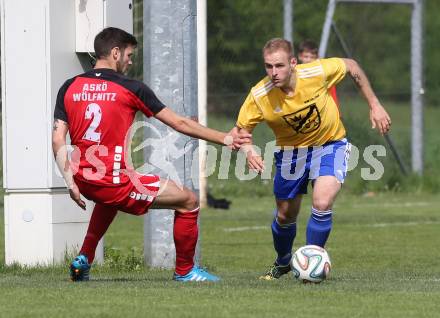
101	219
186	233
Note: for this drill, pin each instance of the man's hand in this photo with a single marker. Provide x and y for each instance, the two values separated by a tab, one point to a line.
255	162
378	116
75	196
380	119
60	129
237	137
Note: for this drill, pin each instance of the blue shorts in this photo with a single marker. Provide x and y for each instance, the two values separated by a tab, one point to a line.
296	166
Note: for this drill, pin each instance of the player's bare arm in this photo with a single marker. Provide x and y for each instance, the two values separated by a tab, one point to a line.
378	115
59	133
254	160
194	129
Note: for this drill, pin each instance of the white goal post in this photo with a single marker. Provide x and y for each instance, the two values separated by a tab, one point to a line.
417	90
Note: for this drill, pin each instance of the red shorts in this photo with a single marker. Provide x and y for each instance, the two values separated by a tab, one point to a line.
135	197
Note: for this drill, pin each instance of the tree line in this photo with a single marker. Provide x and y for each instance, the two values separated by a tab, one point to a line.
377	35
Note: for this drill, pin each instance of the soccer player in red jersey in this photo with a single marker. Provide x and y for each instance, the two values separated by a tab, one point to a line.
97	108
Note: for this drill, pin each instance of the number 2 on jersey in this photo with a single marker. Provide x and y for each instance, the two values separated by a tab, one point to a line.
93	110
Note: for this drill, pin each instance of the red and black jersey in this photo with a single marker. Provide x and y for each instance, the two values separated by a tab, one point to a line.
99	107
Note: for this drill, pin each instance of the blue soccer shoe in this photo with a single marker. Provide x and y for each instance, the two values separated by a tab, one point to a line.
80	269
197	274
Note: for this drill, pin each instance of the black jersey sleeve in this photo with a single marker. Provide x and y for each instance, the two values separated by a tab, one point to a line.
149	99
60	109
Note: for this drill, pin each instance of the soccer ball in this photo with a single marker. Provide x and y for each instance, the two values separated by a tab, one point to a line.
311	263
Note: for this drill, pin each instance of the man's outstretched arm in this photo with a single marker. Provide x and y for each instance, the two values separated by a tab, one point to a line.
59	148
194	129
378	115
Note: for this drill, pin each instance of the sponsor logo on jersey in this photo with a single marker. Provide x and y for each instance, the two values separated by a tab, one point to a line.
305	120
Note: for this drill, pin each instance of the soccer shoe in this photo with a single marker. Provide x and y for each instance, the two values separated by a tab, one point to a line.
197	274
79	269
276	271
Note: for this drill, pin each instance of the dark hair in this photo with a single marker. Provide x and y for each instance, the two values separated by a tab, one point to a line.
276	44
308	45
110	38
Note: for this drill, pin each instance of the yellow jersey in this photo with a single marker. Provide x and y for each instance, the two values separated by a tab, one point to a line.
310	117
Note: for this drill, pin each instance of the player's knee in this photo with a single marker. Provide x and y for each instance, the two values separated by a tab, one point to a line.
322	204
283	217
191	200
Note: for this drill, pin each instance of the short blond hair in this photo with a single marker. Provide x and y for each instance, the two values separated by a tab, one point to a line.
276	44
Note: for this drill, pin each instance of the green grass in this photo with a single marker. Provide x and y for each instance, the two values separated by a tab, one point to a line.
383	251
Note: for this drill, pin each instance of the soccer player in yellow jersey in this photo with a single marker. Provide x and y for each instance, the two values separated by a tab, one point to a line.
294	101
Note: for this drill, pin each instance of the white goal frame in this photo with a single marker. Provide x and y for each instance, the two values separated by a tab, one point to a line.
417	90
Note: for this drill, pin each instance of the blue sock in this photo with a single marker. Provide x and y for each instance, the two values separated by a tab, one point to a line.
283	236
319	227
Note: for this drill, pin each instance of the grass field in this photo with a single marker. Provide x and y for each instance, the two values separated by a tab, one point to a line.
385	264
384	250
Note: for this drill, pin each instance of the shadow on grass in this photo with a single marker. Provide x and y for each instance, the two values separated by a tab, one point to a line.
127	280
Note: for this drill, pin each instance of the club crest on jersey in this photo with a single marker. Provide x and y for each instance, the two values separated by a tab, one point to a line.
305	120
